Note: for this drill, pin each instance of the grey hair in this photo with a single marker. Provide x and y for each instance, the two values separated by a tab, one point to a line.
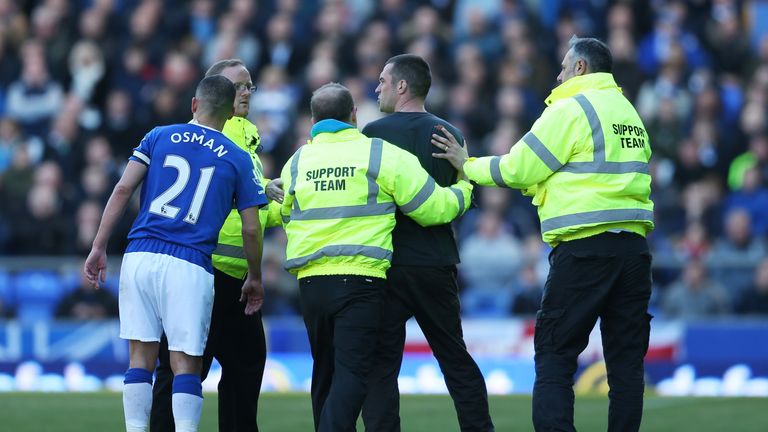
594	52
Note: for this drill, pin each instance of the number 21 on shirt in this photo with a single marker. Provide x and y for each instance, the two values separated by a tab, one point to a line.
160	205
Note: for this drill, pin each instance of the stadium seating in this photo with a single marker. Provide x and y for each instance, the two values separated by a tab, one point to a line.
37	293
7	296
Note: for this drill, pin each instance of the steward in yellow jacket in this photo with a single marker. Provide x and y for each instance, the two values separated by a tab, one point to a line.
342	190
585	161
228	256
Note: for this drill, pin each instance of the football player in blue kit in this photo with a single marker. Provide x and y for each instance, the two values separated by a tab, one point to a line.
193	175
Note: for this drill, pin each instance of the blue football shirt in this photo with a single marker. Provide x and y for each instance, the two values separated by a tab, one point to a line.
195	177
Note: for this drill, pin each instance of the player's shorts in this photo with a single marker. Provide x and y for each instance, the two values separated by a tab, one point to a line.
159	293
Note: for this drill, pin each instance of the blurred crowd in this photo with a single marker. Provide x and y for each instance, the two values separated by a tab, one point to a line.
82	81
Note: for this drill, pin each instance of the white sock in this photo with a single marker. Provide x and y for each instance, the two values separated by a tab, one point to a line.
137	403
186	411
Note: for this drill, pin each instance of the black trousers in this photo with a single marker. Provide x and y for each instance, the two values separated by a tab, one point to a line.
606	276
237	342
430	294
341	314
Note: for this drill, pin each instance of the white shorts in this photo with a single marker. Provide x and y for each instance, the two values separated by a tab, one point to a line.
159	293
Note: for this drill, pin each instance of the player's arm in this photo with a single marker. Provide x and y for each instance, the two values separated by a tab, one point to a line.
416	192
253	242
249	197
96	263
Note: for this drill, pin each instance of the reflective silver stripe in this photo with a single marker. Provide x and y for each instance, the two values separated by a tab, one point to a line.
294	175
229	251
600	165
496	172
374	164
460	197
599	216
371	208
141	156
342	212
340	250
546	156
605	168
421	197
598	139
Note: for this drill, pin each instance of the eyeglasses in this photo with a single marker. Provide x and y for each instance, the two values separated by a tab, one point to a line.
240	87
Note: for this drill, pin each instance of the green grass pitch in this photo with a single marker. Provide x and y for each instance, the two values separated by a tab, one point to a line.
63	412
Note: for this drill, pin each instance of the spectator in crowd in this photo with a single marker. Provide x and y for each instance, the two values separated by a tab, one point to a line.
281	49
736	252
36	97
753	197
528	291
136	75
202	20
88	71
15	182
756	156
695	295
119	124
232	40
10	138
86	225
490	259
85	303
41	229
755	298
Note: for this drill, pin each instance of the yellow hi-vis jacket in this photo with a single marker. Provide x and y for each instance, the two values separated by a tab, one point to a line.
229	256
342	192
584	161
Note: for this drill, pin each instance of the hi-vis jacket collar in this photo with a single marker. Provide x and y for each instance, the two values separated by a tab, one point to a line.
576	85
329	125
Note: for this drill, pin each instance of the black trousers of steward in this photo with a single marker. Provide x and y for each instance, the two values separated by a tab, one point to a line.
607	276
341	314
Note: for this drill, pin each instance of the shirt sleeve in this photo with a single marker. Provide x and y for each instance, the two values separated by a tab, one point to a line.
248	192
143	152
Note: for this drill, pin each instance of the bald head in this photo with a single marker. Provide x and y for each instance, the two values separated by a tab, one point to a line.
332	101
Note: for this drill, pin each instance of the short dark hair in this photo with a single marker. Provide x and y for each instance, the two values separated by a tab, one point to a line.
220	65
332	101
414	70
595	52
216	95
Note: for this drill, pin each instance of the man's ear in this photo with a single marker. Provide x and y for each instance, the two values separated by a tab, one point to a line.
353	117
195	104
402	87
581	67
